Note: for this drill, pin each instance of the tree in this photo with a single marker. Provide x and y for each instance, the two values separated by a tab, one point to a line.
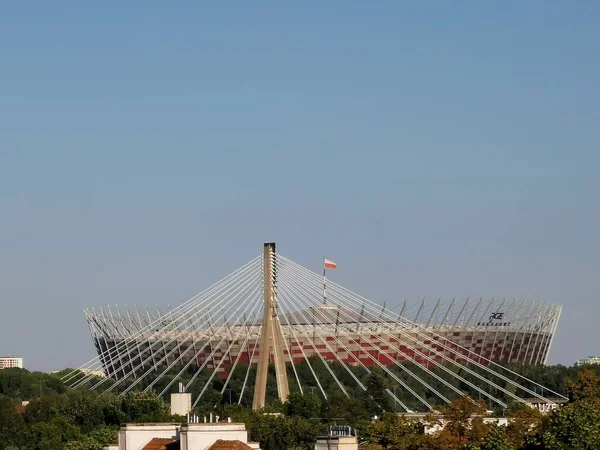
84	409
393	433
144	407
496	439
44	409
524	427
339	407
575	426
305	405
54	434
12	425
376	399
587	385
461	423
96	440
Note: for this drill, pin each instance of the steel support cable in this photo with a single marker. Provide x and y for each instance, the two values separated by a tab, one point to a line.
344	365
129	332
92	317
97	333
432	349
301	346
398	380
194	302
234	286
289	352
340	310
447	370
250	365
240	353
230	301
324	341
314	345
201	303
460	355
92	333
361	300
248	305
382	366
307	306
244	303
423	382
435	334
196	353
185	304
285	312
394	359
339	342
399	350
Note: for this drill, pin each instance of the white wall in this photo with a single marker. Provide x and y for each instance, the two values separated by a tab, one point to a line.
135	437
501	421
337	443
199	436
181	403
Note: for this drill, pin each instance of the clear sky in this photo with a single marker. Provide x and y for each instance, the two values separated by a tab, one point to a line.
441	149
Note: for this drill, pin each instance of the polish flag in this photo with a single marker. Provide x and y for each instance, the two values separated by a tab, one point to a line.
329	264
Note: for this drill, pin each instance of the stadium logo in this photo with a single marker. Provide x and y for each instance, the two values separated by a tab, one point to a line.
493	321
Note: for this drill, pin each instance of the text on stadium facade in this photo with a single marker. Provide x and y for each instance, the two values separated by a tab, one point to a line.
491	320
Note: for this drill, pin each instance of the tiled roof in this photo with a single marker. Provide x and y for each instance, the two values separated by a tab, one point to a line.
229	445
162	444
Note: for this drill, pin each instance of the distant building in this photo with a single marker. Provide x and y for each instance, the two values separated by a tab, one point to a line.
338	438
194	435
8	362
588	360
96	373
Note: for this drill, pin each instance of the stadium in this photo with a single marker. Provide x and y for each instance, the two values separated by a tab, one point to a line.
316	318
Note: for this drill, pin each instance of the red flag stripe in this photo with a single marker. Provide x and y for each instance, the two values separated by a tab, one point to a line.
329	264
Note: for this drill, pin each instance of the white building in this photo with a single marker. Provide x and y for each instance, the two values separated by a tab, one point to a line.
339	438
588	360
191	436
7	362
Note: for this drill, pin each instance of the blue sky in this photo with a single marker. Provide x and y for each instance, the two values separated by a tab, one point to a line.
440	149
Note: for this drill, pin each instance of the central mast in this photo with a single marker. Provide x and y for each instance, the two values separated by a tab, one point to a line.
271	337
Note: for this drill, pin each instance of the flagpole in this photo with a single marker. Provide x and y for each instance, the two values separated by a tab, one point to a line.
324	284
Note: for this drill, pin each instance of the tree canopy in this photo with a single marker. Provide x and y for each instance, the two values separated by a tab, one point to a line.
76	419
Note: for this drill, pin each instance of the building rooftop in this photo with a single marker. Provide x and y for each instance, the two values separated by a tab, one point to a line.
222	444
162	444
